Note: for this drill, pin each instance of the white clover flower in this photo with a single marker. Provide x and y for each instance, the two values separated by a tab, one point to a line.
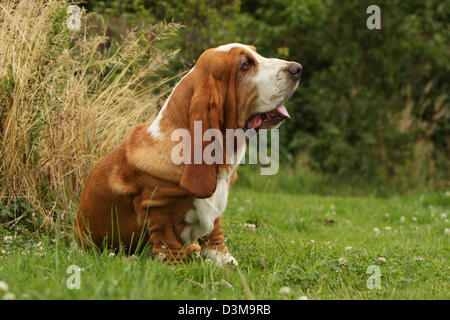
285	290
313	242
8	239
9	296
447	193
251	226
387	228
382	260
303	298
348	248
402	219
447	231
418	258
377	231
160	256
3	286
443	215
414	219
342	261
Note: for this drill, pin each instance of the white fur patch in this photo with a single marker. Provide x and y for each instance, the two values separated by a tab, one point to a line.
228	47
201	220
154	129
274	87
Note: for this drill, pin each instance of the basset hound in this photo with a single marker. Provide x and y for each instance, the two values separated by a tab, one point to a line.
137	193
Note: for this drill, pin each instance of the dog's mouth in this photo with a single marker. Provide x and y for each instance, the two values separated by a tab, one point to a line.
268	120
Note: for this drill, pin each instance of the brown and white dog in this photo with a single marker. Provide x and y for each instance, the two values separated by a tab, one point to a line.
137	192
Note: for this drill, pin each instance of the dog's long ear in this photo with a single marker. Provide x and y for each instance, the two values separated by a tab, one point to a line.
206	107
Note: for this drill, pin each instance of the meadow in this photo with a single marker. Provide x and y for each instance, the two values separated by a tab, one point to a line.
289	246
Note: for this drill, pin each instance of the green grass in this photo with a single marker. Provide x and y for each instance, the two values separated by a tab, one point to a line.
280	252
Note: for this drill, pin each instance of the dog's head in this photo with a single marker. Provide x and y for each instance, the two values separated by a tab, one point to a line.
248	89
234	87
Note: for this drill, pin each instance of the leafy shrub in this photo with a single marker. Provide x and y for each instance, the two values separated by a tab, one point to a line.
372	105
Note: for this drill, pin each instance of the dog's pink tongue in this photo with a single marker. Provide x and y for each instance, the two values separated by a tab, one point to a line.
282	109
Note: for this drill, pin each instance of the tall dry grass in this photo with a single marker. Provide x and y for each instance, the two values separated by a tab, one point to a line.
67	98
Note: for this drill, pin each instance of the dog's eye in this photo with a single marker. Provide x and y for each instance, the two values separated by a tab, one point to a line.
246	65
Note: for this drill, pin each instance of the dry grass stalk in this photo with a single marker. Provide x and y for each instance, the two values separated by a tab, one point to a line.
66	99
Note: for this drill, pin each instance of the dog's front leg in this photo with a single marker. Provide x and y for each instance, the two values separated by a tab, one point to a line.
213	246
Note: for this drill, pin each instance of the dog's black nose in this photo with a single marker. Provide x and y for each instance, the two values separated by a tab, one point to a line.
295	69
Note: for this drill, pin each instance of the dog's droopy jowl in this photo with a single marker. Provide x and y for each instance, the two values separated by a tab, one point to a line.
137	193
214	151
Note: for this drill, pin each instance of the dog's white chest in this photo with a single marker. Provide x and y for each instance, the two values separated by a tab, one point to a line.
206	212
201	220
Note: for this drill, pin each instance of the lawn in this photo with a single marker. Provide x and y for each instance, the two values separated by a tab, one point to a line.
319	247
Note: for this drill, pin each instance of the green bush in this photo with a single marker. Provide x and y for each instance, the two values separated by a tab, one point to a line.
370	99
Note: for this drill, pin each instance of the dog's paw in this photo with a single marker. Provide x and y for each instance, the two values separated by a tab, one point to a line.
220	258
194	249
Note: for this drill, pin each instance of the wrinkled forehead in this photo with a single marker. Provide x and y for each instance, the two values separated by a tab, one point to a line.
220	60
